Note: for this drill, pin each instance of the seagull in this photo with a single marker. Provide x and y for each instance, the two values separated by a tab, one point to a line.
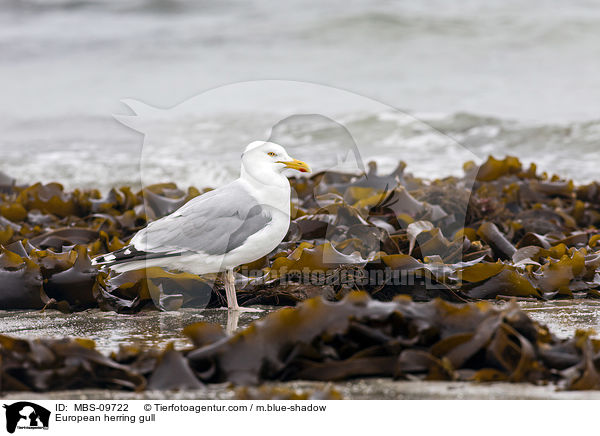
221	229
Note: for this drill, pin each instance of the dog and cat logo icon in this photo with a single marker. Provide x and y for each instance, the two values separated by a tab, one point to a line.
26	415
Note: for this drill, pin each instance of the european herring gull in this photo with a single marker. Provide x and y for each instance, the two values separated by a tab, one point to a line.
221	229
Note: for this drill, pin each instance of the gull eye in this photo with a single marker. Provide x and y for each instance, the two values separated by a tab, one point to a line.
271	153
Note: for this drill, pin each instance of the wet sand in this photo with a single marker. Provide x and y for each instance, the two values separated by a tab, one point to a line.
152	329
157	329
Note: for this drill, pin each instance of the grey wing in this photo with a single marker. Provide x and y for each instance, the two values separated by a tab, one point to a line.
213	223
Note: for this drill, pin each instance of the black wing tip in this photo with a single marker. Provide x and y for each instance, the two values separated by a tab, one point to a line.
122	255
127	254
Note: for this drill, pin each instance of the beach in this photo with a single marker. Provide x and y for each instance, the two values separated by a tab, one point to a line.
454	149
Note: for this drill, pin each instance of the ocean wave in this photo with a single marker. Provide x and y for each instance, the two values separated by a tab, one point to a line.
80	152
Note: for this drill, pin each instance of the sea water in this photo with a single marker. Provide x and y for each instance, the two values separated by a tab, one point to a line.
497	77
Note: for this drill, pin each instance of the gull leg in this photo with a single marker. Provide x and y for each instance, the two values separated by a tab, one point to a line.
229	280
232	304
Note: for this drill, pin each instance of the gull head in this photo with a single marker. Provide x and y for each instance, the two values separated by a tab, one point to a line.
261	158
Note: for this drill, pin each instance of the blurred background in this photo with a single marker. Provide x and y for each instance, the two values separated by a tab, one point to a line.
497	77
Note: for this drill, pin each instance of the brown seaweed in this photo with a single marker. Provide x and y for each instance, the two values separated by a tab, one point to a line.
321	340
529	235
359	337
42	365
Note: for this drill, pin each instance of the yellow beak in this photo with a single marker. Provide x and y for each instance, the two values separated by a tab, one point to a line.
296	165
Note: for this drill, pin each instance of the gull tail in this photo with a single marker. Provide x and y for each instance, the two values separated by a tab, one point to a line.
128	258
125	254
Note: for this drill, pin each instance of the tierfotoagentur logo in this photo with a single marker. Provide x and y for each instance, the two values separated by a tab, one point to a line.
352	199
24	415
357	220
